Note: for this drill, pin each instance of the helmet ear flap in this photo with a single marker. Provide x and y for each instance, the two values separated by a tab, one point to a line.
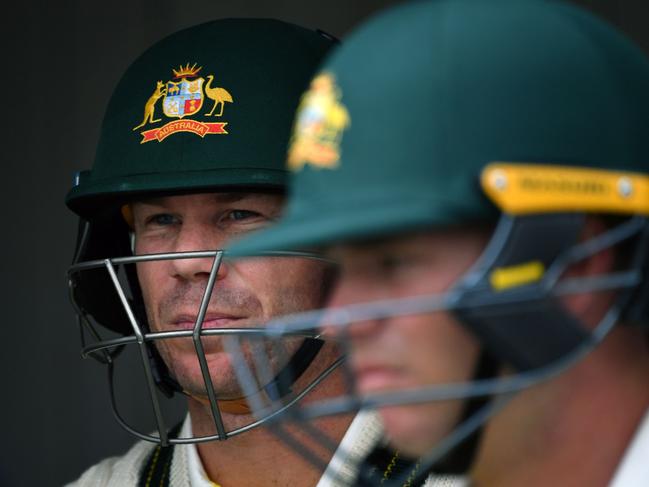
535	330
93	291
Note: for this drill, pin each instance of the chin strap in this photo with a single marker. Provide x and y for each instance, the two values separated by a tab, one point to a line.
234	406
279	387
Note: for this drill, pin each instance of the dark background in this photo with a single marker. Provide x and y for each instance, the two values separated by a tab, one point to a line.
60	63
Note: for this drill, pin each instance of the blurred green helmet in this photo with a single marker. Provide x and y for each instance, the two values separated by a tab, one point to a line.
530	113
208	108
524	114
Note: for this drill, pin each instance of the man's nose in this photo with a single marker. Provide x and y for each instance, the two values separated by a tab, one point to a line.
348	293
198	239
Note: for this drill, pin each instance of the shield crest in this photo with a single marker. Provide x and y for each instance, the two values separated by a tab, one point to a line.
320	123
183	98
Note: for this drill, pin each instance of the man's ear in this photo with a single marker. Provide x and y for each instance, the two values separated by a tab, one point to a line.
591	306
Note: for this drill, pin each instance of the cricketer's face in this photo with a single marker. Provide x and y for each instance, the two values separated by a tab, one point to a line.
247	293
409	351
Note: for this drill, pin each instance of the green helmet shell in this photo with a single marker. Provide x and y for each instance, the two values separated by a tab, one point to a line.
205	108
421	98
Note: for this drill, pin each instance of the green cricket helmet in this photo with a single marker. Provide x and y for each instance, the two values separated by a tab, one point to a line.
208	108
526	113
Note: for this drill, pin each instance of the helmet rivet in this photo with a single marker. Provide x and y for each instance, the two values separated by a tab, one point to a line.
625	187
499	180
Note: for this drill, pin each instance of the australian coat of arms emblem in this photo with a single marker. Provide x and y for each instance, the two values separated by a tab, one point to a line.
319	126
182	97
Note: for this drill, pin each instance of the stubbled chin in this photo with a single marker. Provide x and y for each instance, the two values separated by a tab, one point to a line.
412	429
187	371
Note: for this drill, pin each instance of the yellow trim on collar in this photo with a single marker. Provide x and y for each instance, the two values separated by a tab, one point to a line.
520	189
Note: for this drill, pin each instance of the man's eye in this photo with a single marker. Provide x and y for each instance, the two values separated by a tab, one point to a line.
162	219
242	218
240	215
238	221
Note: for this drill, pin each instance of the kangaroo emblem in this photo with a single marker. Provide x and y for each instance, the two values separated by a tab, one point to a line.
149	108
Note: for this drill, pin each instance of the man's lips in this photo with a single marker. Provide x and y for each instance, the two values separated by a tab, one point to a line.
378	377
211	320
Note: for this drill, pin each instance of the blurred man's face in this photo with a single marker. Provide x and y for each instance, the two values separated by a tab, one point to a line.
246	294
409	351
